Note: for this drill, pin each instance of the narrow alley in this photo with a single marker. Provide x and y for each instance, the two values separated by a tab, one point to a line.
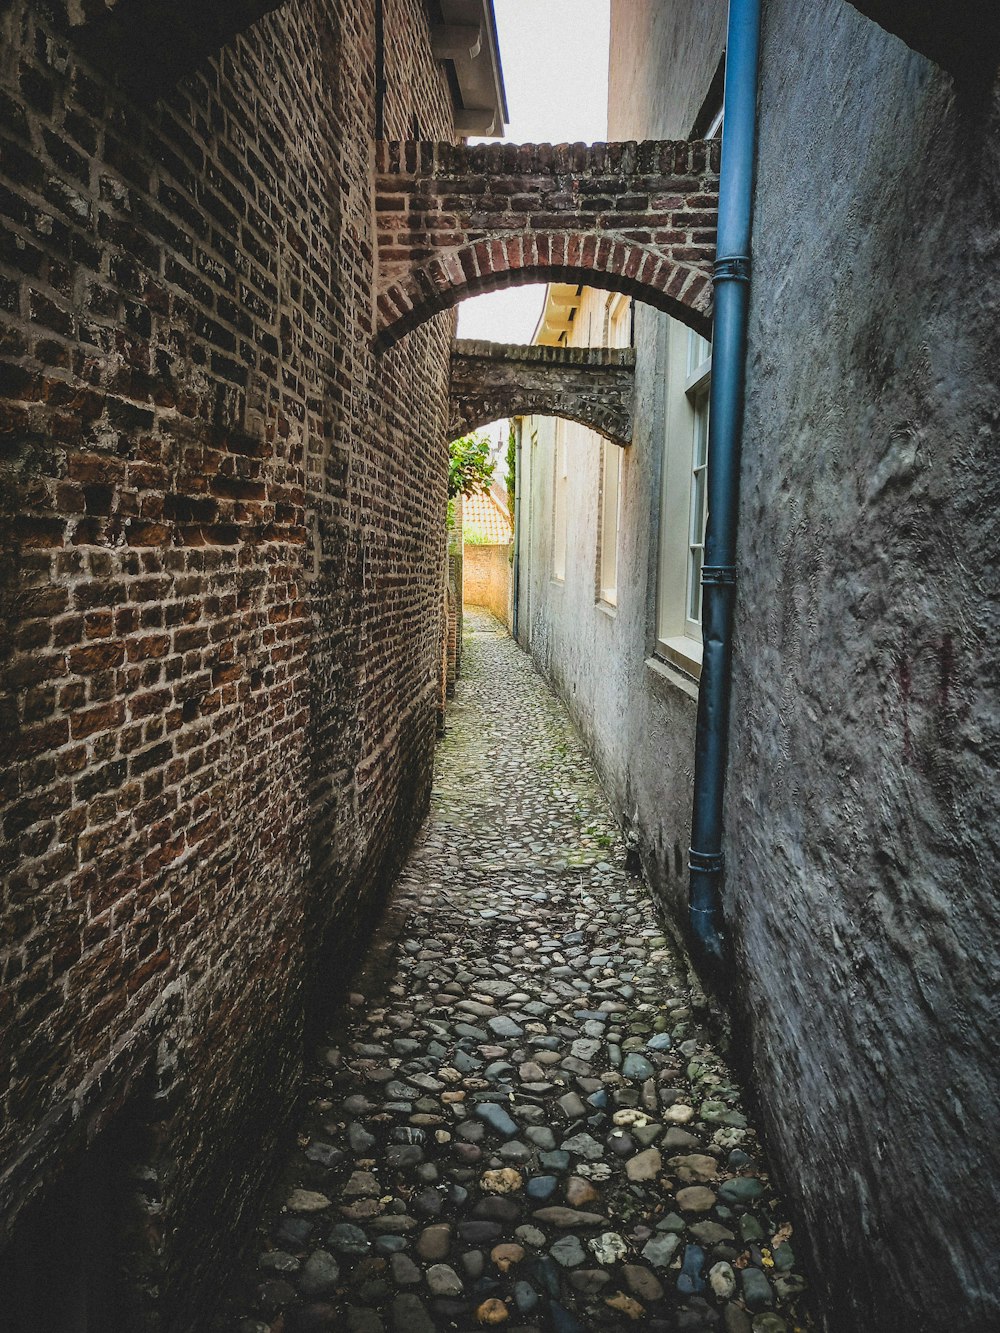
518	1118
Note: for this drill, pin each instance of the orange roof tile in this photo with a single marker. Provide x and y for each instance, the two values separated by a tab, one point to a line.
485	519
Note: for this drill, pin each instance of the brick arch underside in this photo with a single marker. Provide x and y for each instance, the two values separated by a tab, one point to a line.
682	290
608	425
149	46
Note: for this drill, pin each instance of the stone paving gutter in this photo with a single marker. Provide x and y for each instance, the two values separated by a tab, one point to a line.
518	1120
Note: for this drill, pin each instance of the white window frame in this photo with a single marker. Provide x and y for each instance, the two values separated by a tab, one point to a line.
683	499
560	486
696	388
611	508
618	321
617	333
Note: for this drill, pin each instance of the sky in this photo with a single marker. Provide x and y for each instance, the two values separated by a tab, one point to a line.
554	55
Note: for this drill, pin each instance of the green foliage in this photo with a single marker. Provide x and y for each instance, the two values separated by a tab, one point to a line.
511	478
469	468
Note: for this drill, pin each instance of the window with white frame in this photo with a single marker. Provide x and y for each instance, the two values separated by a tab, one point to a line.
619	321
560	485
618	333
699	371
611	490
683	498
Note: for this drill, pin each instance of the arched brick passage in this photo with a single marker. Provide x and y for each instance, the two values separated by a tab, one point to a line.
149	46
966	41
592	385
456	221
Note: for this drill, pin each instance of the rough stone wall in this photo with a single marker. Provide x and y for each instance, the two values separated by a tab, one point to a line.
862	818
647	37
486	578
221	615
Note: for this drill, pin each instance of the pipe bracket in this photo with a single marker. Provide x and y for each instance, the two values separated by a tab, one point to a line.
712	862
716	575
732	268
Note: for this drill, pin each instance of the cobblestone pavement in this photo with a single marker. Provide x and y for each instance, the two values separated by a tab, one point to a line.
520	1122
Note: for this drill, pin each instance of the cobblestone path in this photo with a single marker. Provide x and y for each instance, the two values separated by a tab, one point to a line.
520	1121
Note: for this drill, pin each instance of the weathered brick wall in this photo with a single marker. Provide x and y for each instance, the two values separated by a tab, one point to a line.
223	555
633	217
149	47
494	381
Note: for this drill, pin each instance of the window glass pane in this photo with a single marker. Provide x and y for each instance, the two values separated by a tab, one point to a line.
694	584
701	431
697	507
699	350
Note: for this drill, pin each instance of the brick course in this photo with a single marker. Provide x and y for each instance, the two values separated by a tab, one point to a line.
222	570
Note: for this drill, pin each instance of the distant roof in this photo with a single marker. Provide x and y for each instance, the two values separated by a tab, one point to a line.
485	515
562	299
465	38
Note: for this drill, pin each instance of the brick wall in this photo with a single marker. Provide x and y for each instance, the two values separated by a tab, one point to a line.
486	574
632	217
495	381
221	623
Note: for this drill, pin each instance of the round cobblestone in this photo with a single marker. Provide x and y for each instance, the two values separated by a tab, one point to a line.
521	1079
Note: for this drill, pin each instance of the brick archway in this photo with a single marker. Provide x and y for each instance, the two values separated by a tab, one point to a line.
592	385
453	222
150	46
527	406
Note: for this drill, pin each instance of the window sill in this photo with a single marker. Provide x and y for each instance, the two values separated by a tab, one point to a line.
610	609
682	651
666	674
683	654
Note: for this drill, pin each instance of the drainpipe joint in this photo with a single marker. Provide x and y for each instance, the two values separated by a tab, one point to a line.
731	268
718	576
706	870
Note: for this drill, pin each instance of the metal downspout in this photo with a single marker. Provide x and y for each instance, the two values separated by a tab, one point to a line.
732	290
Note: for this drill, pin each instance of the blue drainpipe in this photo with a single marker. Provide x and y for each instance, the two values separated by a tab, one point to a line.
729	341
